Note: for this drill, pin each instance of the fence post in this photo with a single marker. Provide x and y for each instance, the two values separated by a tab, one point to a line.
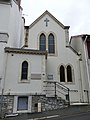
55	90
68	98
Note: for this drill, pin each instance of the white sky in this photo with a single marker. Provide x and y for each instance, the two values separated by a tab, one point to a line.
73	13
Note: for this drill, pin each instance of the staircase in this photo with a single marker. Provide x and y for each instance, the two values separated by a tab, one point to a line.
57	90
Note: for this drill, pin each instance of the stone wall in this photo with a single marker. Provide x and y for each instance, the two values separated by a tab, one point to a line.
6	104
47	103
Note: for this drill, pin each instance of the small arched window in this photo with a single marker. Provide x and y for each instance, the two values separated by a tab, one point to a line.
62	73
24	72
42	44
69	73
51	44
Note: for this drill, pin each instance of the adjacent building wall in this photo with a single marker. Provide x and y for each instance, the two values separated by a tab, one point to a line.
79	45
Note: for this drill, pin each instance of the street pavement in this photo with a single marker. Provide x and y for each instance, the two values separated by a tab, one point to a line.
70	113
82	116
85	116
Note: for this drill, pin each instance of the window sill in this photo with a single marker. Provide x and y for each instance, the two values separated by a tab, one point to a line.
68	83
51	54
24	81
22	111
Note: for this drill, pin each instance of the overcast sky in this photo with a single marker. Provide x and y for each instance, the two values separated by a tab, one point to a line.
73	13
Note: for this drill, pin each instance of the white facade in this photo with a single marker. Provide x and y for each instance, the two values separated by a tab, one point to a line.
27	73
63	55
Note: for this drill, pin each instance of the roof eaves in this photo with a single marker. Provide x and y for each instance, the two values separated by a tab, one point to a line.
25	51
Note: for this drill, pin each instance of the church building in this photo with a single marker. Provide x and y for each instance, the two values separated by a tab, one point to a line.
40	68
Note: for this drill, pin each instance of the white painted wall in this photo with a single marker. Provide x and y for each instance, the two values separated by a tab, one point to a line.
14	26
63	55
10	23
80	46
4	19
22	34
13	82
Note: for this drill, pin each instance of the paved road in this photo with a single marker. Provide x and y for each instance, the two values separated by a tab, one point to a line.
70	113
78	117
84	116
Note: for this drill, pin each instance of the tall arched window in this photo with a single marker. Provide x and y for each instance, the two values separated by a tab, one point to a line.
42	44
24	72
62	73
69	73
51	44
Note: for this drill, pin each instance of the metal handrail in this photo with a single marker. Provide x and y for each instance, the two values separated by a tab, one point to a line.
58	83
61	86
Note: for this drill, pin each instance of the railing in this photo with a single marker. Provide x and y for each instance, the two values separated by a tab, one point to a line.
56	89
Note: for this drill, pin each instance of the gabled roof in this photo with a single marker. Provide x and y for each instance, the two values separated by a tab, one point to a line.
83	36
48	13
78	36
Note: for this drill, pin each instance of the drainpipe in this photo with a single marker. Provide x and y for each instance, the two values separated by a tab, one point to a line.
5	69
80	79
86	62
81	85
55	90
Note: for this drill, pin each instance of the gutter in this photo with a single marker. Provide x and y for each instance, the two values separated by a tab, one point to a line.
77	53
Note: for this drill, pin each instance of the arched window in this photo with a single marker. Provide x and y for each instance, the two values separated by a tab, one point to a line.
51	44
62	73
42	44
24	72
69	73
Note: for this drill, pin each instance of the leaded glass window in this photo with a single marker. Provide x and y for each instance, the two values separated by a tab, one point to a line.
51	44
42	44
24	72
62	73
69	73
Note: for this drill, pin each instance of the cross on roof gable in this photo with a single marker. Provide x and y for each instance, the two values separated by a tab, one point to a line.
46	12
46	20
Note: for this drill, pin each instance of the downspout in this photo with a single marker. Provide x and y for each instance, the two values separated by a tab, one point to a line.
80	79
86	62
81	85
5	69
